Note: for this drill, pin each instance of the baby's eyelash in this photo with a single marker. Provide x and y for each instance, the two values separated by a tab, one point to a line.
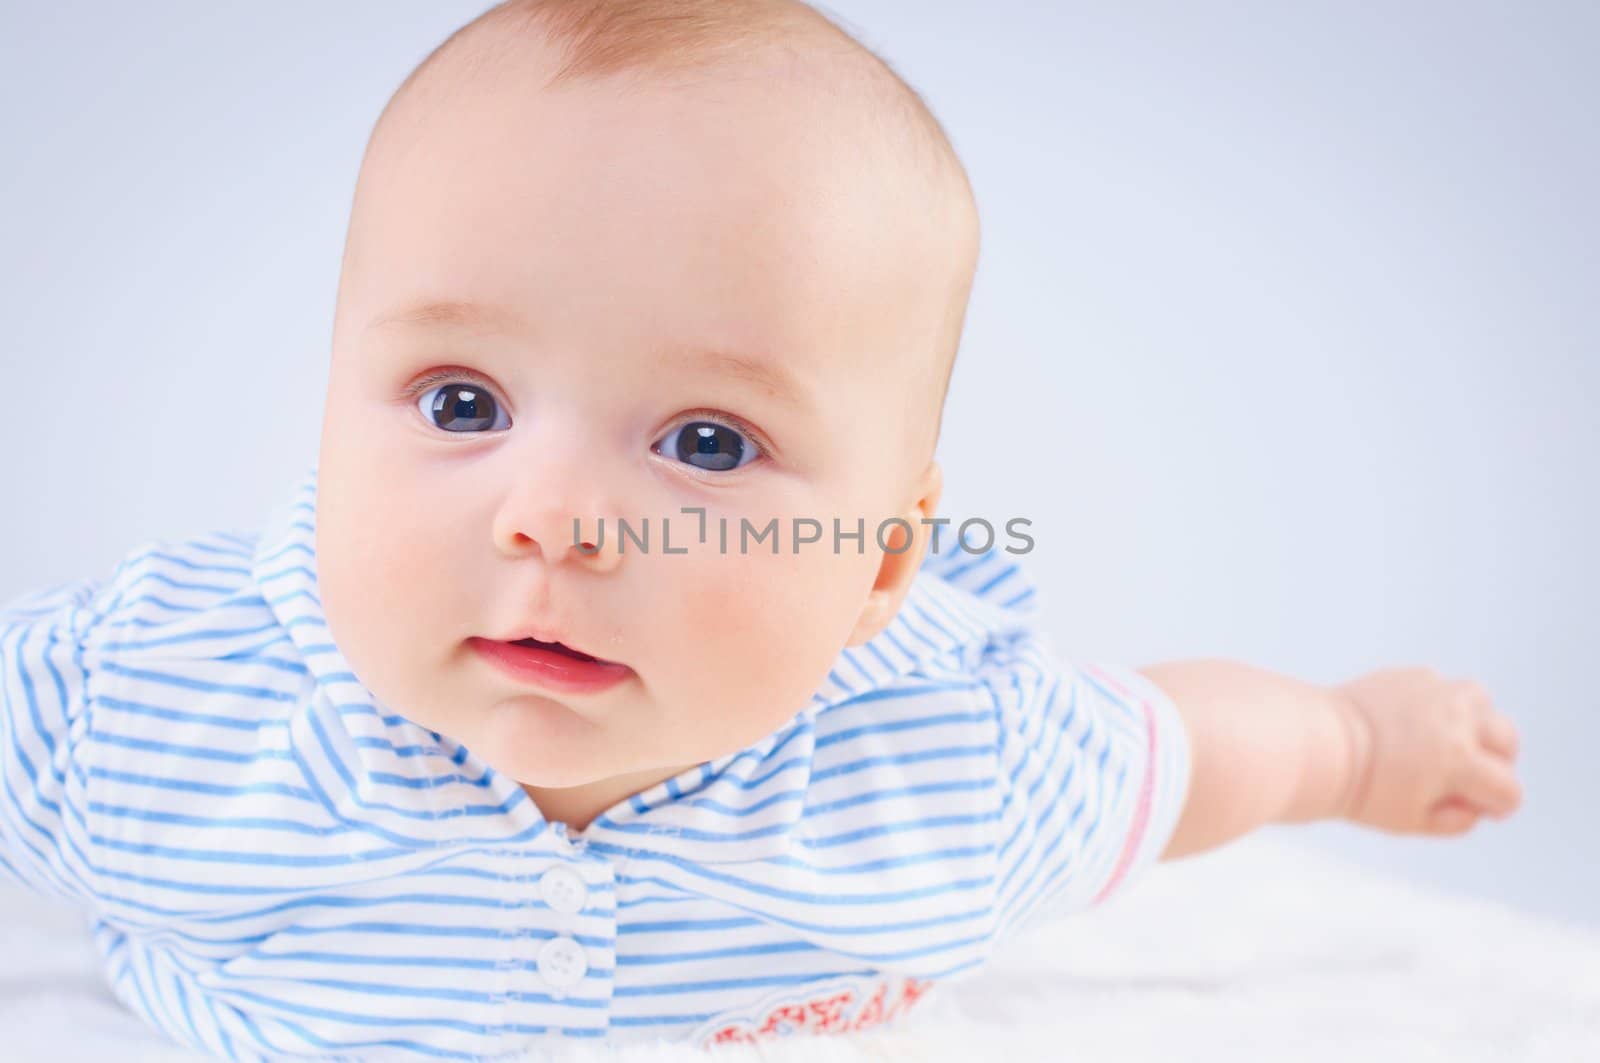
750	432
729	420
444	376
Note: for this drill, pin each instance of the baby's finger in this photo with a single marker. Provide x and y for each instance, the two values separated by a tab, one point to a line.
1450	817
1498	733
1488	784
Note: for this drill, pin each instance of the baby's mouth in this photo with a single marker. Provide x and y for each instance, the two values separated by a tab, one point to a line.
553	665
557	647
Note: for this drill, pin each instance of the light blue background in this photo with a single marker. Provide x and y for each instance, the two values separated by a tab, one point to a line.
1284	334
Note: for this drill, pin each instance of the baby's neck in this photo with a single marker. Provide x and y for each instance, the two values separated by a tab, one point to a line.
578	806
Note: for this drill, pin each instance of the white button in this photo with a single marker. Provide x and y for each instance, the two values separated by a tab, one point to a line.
563	889
562	962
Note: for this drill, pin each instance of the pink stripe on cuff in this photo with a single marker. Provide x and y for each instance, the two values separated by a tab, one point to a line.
1141	815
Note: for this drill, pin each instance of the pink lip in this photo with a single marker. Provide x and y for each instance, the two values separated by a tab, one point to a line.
547	668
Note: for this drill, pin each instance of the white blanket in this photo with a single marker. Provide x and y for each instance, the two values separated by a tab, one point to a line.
1263	949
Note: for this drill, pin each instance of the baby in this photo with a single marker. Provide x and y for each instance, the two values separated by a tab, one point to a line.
444	763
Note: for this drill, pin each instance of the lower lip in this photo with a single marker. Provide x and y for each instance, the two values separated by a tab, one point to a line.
550	669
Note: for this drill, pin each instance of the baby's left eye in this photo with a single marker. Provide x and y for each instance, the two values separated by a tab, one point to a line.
461	403
708	445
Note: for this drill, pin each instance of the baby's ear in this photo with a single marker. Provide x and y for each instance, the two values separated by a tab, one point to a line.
897	570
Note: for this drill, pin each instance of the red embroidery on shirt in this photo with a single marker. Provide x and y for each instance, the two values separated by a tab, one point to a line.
829	1012
872	1014
834	1012
913	992
791	1015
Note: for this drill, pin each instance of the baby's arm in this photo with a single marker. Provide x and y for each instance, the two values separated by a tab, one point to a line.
1404	750
44	841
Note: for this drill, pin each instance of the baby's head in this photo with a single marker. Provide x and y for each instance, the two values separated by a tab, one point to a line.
613	260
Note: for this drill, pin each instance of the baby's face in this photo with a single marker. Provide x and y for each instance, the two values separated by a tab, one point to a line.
686	299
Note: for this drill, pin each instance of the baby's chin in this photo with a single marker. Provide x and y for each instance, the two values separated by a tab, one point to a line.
540	741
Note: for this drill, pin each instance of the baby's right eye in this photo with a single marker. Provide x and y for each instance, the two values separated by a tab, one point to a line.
461	407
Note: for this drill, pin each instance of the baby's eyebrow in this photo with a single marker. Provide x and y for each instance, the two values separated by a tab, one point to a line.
446	314
449	313
771	375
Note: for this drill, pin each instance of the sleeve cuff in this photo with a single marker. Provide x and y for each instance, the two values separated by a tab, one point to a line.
1162	787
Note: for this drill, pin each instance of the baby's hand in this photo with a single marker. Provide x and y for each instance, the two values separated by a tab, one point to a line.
1435	754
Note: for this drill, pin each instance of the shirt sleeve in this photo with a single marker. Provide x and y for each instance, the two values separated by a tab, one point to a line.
1093	773
43	723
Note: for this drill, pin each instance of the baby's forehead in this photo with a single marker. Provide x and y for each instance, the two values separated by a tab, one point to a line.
781	55
831	121
623	183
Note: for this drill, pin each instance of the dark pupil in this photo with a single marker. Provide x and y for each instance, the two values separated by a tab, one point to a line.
709	446
472	405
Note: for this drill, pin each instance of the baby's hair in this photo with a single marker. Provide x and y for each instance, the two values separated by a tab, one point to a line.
602	37
681	39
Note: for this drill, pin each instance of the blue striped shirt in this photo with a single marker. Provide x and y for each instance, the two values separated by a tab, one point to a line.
276	864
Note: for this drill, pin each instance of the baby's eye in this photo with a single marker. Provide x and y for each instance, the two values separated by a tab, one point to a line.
464	407
461	407
708	445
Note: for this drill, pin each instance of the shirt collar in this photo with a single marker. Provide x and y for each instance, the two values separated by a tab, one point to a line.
374	768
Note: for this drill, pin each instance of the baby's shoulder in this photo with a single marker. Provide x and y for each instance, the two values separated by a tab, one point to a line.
928	679
172	599
158	587
999	576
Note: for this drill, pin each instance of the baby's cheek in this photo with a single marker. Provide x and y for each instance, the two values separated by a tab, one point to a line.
764	634
732	621
381	595
370	575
